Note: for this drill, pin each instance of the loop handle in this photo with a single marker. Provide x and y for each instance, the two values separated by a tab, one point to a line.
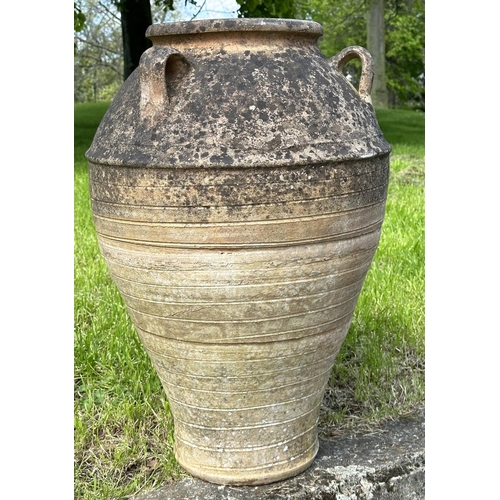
344	56
157	66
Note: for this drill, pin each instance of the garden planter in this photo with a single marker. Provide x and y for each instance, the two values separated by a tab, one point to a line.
238	185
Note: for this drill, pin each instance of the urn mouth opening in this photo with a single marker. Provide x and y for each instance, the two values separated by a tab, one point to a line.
235	24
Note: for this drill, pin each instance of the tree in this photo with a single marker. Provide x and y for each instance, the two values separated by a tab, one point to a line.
136	17
98	67
375	30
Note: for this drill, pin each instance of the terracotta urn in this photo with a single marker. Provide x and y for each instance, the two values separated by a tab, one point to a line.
238	185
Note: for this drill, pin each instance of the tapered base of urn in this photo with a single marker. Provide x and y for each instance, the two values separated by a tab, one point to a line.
251	475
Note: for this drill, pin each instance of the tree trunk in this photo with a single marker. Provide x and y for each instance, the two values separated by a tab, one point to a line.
135	19
376	47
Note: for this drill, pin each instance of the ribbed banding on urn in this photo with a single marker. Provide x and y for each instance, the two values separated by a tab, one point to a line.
241	276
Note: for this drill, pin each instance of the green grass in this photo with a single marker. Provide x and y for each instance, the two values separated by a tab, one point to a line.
123	426
379	373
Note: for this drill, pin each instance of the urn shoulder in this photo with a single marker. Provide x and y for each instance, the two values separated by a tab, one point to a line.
239	92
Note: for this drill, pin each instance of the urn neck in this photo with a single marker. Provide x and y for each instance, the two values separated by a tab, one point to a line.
237	33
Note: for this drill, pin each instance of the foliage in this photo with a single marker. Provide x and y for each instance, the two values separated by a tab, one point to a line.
164	4
169	5
79	18
98	53
268	8
98	62
344	24
405	40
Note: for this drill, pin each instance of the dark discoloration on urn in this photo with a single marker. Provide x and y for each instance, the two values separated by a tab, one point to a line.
247	98
225	194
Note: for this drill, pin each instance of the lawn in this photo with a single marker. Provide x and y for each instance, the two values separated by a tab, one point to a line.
123	426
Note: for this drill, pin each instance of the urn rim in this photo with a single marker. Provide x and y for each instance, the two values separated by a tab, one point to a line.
235	24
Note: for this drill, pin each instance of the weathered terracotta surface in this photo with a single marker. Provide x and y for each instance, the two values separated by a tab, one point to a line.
238	187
